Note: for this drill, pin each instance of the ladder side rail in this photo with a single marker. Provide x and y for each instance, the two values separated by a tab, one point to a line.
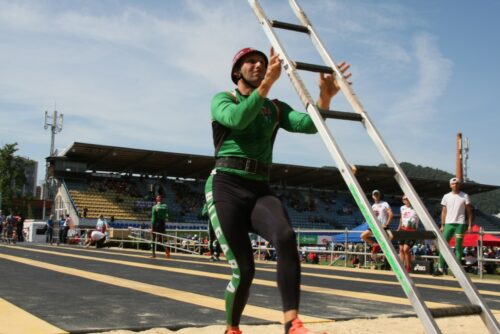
304	95
354	187
345	87
469	289
405	280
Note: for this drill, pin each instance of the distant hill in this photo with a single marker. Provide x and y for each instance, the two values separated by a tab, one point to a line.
488	202
428	173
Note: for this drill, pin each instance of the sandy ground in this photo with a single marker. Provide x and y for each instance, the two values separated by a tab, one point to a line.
457	325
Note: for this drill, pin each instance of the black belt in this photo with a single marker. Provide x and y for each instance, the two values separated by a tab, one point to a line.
251	166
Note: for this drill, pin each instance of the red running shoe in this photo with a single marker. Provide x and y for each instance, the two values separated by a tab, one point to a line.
298	328
233	331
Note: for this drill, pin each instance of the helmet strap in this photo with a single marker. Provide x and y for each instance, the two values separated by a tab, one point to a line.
247	82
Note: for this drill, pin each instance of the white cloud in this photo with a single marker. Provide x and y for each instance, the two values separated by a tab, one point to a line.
433	71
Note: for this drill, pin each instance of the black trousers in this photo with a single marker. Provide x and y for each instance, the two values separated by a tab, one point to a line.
238	206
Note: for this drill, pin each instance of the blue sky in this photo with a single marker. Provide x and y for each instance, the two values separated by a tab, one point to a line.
141	74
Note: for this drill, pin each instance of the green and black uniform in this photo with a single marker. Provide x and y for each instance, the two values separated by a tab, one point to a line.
238	195
159	216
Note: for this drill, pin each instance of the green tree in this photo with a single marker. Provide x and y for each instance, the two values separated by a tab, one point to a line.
12	177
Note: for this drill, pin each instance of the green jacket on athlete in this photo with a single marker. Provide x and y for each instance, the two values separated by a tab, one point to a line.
159	214
246	126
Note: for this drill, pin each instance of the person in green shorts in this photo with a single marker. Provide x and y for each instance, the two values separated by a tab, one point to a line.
239	199
456	206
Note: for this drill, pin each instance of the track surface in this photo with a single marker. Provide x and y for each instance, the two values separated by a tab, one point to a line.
73	289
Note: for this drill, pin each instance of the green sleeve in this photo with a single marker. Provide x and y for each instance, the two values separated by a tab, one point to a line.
295	121
236	115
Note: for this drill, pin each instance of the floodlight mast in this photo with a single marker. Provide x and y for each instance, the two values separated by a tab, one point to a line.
55	123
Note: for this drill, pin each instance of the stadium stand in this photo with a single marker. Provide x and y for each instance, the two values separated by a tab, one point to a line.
122	183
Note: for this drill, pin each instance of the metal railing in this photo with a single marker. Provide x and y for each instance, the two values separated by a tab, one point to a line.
177	241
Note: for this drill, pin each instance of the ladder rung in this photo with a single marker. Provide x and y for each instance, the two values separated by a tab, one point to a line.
348	116
372	170
313	68
411	235
289	26
455	311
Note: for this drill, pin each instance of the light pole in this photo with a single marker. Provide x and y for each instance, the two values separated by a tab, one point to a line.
55	123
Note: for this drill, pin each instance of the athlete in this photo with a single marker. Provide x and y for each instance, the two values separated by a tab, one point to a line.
455	205
159	215
408	222
244	123
383	213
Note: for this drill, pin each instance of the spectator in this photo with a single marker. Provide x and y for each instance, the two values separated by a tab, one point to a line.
269	252
20	227
456	206
49	230
383	214
66	225
2	220
490	267
102	224
408	222
213	244
470	262
61	230
9	227
313	258
96	238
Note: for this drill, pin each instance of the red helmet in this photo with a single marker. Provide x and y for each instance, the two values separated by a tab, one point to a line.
239	55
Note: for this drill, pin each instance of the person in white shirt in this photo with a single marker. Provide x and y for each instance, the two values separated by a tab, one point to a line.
102	224
95	237
383	213
457	209
408	222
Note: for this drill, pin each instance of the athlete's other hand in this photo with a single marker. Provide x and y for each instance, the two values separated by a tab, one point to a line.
329	87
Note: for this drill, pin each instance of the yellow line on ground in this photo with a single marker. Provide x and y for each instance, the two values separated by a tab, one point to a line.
327	276
14	320
311	266
178	295
329	291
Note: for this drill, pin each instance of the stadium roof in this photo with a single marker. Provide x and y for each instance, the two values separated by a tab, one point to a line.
182	165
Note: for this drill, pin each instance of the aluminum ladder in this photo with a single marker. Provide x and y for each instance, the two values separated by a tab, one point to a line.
425	314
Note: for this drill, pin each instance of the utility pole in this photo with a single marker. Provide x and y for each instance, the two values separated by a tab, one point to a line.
462	157
466	158
55	123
